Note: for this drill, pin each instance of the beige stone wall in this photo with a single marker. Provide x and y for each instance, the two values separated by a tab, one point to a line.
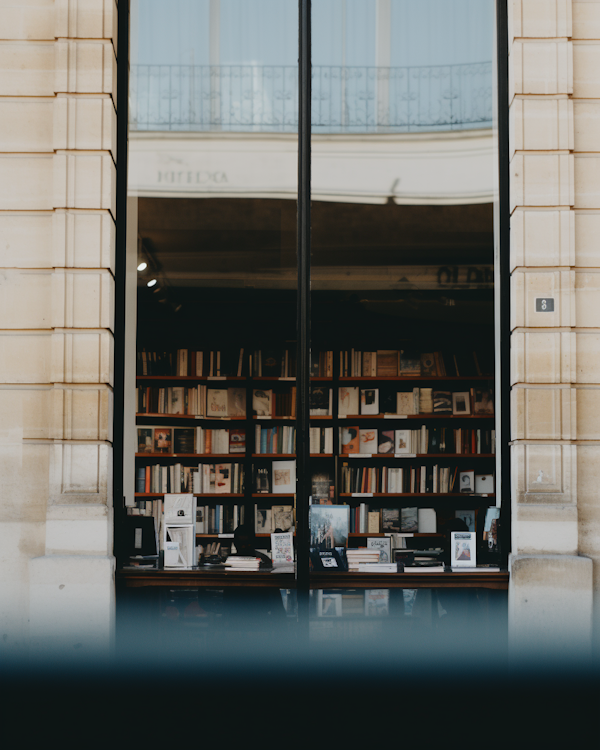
555	204
57	244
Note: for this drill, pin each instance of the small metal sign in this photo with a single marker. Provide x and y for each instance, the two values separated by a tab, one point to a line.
544	304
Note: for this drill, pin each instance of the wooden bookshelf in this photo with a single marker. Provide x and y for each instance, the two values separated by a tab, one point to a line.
220	456
290	455
410	456
416	495
393	417
418	378
195	378
411	535
212	495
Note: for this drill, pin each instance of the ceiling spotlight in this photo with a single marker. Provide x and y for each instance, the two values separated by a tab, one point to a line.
152	282
143	266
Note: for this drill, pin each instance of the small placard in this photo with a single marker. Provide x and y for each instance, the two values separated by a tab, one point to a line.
226	536
544	304
341	416
216	377
288	379
362	494
360	455
405	455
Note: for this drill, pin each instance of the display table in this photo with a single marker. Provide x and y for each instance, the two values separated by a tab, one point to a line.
220	578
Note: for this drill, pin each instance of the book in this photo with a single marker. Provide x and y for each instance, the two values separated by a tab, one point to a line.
390	519
262	402
369	401
284	477
329	526
237	441
282	518
216	402
178	509
426	521
405	402
319	401
377	602
428	365
183	440
462	549
387	363
484	484
368	441
402	441
282	549
410	364
263	521
322	487
386	441
163	440
461	403
442	402
236	403
409	522
373	519
350	440
223	478
483	401
383	544
348	400
145	441
425	401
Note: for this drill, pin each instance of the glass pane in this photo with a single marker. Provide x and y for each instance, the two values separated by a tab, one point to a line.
212	220
402	293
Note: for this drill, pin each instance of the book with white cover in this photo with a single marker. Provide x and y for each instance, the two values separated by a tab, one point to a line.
368	441
369	401
364	567
348	400
405	403
402	441
484	484
284	477
282	549
427	521
383	544
462	549
179	509
236	403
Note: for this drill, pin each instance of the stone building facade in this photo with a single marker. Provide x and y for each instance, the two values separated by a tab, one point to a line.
58	168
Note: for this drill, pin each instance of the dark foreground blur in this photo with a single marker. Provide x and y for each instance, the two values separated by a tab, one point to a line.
223	668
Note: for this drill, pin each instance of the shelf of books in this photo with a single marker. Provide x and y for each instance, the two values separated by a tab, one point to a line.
404	441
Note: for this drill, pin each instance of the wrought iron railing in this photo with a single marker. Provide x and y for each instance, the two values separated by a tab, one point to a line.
264	98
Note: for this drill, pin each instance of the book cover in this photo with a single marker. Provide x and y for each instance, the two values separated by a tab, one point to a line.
483	401
183	440
178	509
145	440
383	544
263	520
409	520
425	400
427	521
222	478
410	364
262	480
466	482
271	363
284	477
428	366
282	549
329	526
163	440
402	440
179	546
368	441
377	602
462	549
237	441
350	440
442	402
216	402
319	400
484	484
373	522
236	403
369	401
461	403
386	441
390	519
387	363
468	516
262	401
348	400
405	402
282	518
321	486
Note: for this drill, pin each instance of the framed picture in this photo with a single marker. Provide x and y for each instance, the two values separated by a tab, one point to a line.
402	441
483	401
462	549
468	516
461	403
163	439
466	482
145	441
329	526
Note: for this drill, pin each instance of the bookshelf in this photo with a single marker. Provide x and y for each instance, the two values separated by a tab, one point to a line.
332	464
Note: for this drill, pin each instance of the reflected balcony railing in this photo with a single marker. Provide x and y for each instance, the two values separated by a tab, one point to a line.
264	98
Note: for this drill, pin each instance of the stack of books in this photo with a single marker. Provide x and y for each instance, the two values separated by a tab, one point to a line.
240	562
356	557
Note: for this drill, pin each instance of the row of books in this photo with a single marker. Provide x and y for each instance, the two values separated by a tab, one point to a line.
218	519
370	441
200	401
267	402
398	362
277	518
282	439
281	363
366	519
188	440
433	479
203	479
188	362
353	400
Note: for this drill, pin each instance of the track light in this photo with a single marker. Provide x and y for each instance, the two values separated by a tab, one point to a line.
152	282
143	266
